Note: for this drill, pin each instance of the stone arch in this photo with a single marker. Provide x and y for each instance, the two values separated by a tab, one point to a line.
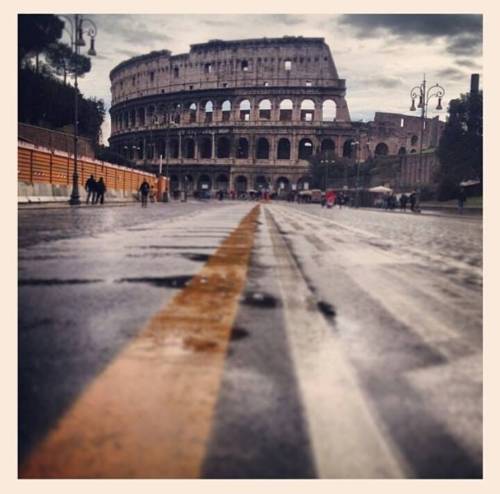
402	150
223	147
262	149
174	182
173	148
189	147
284	150
306	148
188	183
163	113
381	149
132	117
261	182
328	110
192	112
286	110
282	184
265	109
413	151
208	108
242	149
302	181
307	107
222	182
141	117
226	110
205	147
414	140
241	184
245	108
328	147
348	148
204	183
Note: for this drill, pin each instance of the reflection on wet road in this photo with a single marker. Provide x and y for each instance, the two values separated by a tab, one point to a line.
355	349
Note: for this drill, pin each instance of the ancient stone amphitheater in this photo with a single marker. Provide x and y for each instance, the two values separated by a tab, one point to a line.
242	115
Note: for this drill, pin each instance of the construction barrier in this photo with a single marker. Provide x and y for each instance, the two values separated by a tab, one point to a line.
41	166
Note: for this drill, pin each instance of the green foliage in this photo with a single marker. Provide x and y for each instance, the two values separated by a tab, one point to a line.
44	100
36	32
64	62
461	146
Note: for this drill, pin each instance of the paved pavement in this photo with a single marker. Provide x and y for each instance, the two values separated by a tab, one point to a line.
235	340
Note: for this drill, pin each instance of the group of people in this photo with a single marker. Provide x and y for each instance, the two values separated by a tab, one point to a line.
95	190
331	198
391	201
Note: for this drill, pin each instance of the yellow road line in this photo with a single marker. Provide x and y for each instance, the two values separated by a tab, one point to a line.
149	414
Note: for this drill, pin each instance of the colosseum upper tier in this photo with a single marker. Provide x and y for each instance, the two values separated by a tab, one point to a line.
240	115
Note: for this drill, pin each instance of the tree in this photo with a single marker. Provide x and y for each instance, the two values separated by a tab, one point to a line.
461	146
64	62
35	33
107	154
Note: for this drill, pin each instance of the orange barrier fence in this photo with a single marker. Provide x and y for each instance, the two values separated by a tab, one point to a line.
39	166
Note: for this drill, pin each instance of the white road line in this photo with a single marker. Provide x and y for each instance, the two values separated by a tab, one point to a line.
345	438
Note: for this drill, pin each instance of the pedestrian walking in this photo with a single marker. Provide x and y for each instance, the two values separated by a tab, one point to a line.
144	191
413	200
100	191
90	187
403	201
462	198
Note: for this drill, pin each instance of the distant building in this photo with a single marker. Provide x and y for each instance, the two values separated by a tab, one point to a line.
246	114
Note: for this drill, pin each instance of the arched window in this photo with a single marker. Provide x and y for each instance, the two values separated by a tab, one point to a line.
328	111
222	182
413	151
141	117
209	111
414	140
241	183
327	148
226	110
192	112
265	109
206	148
286	108
162	113
282	184
305	149
204	183
242	150
348	149
260	182
307	110
244	66
245	110
223	147
402	150
188	148
288	65
283	149
262	151
173	148
381	149
132	118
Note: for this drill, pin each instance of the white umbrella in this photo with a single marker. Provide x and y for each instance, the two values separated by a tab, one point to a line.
469	183
380	188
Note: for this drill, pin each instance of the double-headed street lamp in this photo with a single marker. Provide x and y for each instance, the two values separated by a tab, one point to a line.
327	162
424	95
77	27
356	147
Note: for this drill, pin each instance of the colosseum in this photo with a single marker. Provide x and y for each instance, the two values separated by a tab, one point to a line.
245	114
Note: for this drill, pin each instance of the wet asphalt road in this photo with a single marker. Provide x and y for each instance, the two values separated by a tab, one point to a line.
398	297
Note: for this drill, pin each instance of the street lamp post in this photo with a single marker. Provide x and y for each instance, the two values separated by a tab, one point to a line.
424	95
355	145
76	31
327	163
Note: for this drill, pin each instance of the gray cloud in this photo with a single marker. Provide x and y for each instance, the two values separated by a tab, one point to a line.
463	32
470	64
451	74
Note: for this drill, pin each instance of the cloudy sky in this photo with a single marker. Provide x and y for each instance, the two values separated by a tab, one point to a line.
381	56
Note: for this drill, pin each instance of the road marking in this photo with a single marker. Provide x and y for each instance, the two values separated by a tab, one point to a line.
149	414
345	438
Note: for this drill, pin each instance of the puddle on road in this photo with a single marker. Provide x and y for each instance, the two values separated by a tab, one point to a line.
193	256
162	282
53	282
260	299
239	333
326	309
